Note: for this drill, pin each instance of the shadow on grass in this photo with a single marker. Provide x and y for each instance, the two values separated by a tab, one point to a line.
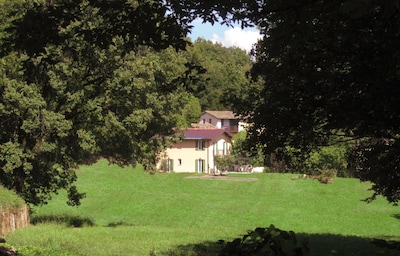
68	220
206	248
328	244
319	244
119	223
396	216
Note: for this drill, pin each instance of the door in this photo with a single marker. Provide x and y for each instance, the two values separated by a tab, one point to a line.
170	165
200	165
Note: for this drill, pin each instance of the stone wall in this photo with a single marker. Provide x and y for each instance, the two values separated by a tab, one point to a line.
12	219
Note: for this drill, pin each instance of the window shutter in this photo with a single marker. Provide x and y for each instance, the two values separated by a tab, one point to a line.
197	165
171	166
224	148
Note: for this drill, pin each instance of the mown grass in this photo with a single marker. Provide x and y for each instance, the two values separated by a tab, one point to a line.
130	212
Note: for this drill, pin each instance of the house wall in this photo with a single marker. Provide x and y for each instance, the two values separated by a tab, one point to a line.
184	154
220	146
231	125
241	126
207	118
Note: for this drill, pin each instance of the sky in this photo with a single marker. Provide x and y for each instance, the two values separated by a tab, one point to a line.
224	35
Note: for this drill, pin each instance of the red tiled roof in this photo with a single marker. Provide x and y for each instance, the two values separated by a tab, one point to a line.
221	114
204	134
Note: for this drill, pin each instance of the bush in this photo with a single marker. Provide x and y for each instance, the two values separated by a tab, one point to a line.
242	149
326	176
332	157
224	162
265	241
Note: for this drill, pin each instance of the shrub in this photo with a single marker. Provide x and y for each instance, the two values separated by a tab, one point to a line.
332	157
265	241
224	162
326	176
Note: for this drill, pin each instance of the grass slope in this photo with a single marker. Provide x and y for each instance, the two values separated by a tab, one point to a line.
135	213
9	200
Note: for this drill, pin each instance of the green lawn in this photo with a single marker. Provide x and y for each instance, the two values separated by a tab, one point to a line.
130	212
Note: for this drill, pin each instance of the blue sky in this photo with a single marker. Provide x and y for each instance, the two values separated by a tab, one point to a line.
224	35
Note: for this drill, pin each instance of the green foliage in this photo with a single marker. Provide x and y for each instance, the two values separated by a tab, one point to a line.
370	157
266	241
241	149
316	88
32	250
224	162
68	220
85	79
221	75
333	157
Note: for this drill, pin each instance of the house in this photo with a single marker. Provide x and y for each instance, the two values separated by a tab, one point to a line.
222	119
196	152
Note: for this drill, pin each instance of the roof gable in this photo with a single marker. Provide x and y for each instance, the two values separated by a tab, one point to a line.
221	114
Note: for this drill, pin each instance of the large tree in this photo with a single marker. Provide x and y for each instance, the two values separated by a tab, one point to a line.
331	71
81	80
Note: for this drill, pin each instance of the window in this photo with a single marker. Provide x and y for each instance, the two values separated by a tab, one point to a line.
200	144
209	120
179	162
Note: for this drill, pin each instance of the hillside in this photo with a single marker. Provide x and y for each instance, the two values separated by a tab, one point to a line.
8	199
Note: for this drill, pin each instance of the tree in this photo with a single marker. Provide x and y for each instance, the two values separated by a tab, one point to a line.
241	149
331	71
222	73
82	80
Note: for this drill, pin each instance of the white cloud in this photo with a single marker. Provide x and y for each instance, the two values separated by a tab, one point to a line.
238	37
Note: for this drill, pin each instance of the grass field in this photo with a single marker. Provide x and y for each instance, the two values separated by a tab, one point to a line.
130	212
